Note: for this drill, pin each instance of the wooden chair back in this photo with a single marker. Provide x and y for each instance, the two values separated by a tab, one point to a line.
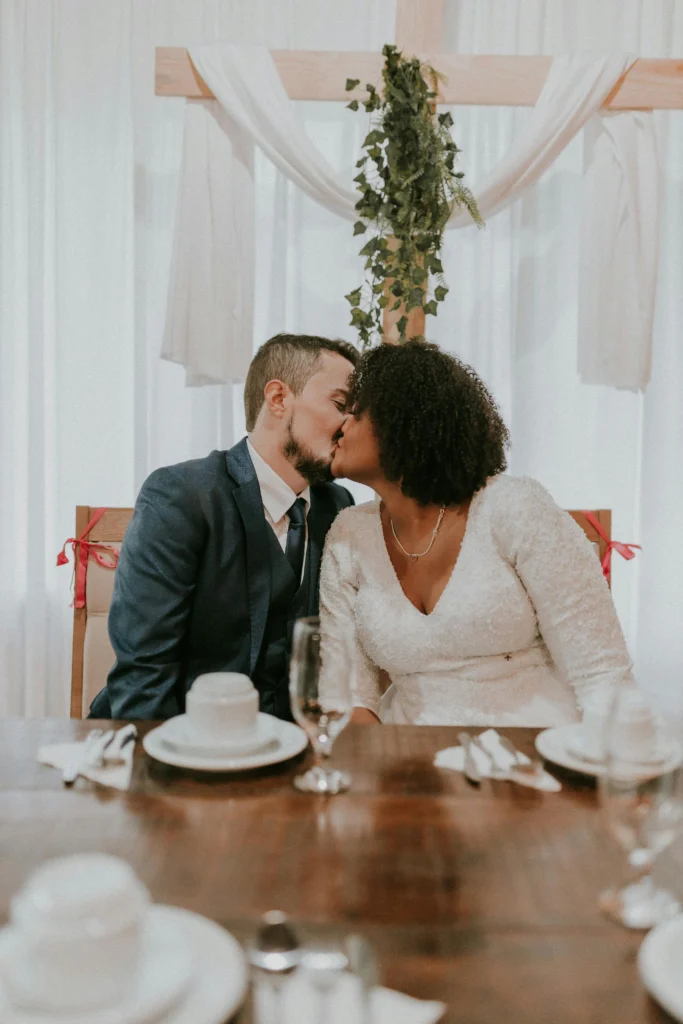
92	654
604	517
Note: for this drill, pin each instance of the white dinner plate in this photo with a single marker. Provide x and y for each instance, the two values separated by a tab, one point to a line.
562	743
193	972
288	741
659	962
177	735
576	746
558	745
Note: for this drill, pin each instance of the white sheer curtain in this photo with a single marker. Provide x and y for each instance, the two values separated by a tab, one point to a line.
516	310
89	160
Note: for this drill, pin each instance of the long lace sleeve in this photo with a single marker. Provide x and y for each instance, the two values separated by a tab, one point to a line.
338	589
558	568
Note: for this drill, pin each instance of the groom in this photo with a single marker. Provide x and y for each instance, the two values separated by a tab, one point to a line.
223	553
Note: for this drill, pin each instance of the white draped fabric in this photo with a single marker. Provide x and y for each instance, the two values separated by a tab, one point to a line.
210	319
252	105
619	248
89	168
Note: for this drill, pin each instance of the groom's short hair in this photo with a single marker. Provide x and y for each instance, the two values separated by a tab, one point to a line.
291	358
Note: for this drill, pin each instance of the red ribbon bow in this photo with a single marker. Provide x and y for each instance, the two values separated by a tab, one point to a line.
625	550
82	550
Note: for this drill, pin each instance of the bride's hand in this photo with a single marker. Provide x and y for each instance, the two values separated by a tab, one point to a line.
363	716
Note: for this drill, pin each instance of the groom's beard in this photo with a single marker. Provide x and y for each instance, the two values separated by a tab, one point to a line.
313	469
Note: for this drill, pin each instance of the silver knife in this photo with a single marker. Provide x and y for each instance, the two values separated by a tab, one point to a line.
472	773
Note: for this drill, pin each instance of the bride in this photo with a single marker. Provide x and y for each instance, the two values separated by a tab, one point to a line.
479	597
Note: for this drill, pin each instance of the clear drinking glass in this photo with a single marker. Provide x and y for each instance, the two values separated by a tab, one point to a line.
641	795
320	689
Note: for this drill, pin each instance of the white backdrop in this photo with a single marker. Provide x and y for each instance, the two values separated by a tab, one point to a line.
89	162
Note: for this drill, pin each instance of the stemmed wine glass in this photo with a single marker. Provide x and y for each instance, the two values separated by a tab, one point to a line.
320	689
641	794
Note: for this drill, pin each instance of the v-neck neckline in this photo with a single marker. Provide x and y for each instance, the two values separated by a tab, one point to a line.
392	570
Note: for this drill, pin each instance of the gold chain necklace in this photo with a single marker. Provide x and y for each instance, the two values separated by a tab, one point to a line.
413	556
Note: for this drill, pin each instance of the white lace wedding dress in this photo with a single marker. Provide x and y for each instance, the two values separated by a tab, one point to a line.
524	629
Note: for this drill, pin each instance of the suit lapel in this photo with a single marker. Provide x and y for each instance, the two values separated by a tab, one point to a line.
247	497
249	503
320	519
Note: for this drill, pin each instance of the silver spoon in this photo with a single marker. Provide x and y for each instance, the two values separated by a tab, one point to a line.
275	953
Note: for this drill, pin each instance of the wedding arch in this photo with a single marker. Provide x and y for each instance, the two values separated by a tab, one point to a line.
241	97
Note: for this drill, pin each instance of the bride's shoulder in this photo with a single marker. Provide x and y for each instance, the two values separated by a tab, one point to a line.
505	488
514	499
354	520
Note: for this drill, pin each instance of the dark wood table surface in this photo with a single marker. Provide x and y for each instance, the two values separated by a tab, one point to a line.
483	898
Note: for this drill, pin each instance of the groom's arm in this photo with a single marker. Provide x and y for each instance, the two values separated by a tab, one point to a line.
153	588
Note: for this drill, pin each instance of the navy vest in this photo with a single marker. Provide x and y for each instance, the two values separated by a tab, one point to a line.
288	602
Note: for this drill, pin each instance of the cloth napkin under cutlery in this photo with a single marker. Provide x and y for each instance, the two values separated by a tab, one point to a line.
343	1003
493	760
111	766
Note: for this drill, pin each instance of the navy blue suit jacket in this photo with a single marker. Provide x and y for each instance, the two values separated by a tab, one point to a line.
192	586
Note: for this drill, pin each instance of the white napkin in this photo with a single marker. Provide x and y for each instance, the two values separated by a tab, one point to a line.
302	1003
499	759
59	755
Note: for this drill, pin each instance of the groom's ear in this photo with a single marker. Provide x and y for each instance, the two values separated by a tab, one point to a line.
277	397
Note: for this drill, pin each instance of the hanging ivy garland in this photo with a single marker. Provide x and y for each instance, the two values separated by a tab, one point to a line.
409	186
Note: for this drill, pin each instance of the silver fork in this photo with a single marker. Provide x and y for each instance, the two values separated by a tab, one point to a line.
112	752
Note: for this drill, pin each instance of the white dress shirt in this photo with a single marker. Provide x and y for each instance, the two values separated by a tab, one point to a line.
278	497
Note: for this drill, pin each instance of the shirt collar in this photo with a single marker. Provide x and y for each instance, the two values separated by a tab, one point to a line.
277	496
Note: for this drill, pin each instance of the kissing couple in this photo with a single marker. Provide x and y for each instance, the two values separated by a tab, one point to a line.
466	590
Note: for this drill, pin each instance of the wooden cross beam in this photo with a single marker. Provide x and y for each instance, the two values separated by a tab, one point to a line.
469	80
651	84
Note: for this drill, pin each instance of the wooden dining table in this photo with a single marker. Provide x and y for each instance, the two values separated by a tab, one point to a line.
483	897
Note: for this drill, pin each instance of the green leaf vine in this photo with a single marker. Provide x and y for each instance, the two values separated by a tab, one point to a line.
408	186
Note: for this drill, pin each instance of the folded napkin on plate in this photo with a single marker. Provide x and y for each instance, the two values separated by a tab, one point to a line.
496	759
60	755
303	1003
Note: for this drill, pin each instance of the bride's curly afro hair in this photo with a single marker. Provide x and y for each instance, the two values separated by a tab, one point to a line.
439	431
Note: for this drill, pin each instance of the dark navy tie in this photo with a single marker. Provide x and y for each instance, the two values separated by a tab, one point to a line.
296	537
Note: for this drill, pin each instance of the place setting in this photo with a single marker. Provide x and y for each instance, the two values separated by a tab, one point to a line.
104	757
579	746
222	729
333	980
638	749
489	755
85	944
